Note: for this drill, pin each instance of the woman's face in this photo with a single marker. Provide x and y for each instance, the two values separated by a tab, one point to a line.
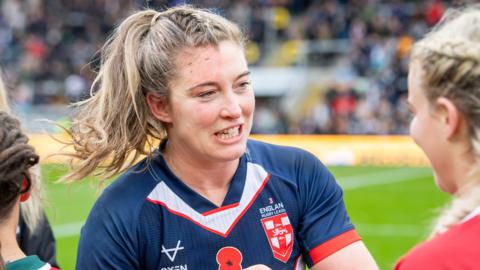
211	103
426	129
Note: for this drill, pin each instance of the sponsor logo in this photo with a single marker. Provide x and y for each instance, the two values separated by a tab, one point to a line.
176	267
172	252
279	233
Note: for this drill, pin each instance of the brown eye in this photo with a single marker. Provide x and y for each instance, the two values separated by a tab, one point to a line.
206	94
244	85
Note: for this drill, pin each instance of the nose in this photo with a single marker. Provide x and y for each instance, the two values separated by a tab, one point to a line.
231	106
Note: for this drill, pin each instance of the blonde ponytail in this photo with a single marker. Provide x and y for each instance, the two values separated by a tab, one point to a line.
114	126
456	211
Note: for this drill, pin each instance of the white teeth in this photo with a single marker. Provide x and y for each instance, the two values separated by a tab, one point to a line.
229	133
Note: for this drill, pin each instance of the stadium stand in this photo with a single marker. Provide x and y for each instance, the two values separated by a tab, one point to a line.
352	53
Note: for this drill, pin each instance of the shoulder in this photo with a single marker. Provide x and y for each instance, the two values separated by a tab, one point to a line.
110	236
122	201
457	246
29	262
282	159
262	148
130	188
296	167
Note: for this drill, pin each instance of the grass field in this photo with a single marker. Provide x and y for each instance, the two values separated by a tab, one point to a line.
391	208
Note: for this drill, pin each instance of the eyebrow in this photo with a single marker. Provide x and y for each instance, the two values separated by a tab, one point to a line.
246	73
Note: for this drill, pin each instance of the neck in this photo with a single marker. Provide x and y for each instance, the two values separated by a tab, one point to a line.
464	175
9	247
211	179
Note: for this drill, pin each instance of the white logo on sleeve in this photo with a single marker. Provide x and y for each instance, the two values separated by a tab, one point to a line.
172	252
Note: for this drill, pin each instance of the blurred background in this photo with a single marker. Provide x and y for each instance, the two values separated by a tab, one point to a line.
319	67
336	67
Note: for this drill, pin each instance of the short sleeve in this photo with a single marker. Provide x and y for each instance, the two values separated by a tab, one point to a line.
325	226
108	239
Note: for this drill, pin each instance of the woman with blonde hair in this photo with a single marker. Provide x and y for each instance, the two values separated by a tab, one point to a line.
444	95
207	197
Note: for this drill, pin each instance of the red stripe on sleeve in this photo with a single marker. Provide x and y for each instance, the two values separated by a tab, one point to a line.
333	245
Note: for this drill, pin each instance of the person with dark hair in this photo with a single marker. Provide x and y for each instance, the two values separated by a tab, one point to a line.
34	233
16	160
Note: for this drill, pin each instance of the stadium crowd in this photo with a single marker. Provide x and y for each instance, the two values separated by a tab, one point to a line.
48	49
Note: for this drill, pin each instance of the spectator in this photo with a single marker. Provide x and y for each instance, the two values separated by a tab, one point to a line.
45	54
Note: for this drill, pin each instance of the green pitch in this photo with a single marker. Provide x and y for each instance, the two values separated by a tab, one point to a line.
392	208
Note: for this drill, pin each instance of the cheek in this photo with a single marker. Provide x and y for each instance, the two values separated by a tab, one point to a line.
414	130
425	138
204	114
248	104
420	135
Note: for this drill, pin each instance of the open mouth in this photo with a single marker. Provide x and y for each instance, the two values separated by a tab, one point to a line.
229	133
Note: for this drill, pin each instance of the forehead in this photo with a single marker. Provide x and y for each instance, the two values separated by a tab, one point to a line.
209	58
415	72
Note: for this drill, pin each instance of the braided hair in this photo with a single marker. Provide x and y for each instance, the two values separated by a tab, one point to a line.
16	157
450	58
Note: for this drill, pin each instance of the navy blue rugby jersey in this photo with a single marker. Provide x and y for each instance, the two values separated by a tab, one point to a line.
283	209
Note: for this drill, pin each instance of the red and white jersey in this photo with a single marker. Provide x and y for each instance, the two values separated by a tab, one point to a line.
456	249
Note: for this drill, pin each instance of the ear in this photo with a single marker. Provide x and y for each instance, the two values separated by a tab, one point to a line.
25	196
159	107
26	190
450	116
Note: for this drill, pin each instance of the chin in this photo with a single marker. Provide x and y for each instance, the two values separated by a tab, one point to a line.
442	185
232	153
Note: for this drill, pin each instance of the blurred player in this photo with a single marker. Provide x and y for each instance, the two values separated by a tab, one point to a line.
206	197
444	94
16	160
34	234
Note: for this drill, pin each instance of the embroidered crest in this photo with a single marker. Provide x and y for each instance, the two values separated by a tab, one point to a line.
280	235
